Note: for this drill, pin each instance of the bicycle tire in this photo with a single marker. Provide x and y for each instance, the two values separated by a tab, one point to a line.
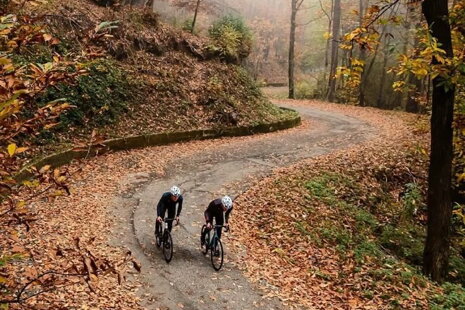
204	247
217	260
167	246
158	240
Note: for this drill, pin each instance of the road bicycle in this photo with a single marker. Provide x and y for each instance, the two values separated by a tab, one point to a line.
164	240
213	244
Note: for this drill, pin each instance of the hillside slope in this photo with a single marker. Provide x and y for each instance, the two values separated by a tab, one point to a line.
144	76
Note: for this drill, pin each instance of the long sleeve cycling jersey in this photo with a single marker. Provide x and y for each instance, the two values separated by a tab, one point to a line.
166	203
215	210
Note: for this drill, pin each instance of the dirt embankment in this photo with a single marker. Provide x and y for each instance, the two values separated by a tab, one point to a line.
145	76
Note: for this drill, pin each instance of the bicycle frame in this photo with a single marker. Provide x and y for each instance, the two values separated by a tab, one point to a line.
164	225
214	237
214	245
165	222
164	239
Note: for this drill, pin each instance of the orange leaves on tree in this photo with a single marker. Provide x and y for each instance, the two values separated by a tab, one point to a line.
20	84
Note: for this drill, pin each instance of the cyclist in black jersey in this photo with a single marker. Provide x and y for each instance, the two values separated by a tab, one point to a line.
168	202
219	209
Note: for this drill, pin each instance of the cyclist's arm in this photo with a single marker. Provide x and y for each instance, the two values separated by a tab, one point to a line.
208	212
161	209
208	217
226	216
180	199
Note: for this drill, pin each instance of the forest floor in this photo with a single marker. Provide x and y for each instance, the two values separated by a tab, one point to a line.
313	227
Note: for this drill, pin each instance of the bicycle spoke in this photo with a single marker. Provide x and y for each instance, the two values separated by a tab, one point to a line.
167	246
216	255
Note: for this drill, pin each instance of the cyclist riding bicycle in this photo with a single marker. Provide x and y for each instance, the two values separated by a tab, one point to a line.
168	202
219	209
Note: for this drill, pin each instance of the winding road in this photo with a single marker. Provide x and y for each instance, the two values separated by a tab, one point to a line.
189	282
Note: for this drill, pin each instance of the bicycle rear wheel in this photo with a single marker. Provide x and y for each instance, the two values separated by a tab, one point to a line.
206	242
216	255
167	246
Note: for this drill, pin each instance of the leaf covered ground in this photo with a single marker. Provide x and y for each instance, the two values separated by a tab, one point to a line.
329	233
73	235
345	231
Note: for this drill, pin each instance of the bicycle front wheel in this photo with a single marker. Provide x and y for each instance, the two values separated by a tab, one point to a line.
216	255
167	246
158	238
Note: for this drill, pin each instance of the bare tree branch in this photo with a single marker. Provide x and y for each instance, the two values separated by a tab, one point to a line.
20	299
309	22
383	10
324	11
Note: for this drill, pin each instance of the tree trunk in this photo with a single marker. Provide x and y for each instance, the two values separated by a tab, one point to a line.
412	105
291	66
195	16
328	41
334	50
367	69
436	253
363	56
381	101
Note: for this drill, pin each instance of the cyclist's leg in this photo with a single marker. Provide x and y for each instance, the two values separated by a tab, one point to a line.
204	233
202	237
157	228
171	213
219	221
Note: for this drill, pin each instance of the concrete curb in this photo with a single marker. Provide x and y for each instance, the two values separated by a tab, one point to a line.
133	142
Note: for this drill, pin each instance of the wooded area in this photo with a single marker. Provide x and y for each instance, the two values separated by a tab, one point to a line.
377	54
77	76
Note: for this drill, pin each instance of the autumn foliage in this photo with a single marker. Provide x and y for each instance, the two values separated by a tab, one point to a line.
413	72
21	119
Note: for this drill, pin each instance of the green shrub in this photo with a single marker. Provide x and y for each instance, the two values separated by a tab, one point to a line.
366	249
246	80
457	267
365	220
319	189
99	96
404	242
412	200
338	235
304	90
325	187
231	37
187	24
452	298
39	53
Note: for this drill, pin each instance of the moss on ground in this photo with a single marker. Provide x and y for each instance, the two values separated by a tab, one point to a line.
392	243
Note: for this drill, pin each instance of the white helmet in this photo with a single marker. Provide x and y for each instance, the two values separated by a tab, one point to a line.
175	191
227	202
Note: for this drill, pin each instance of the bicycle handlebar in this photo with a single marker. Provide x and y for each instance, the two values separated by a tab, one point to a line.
171	219
221	226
